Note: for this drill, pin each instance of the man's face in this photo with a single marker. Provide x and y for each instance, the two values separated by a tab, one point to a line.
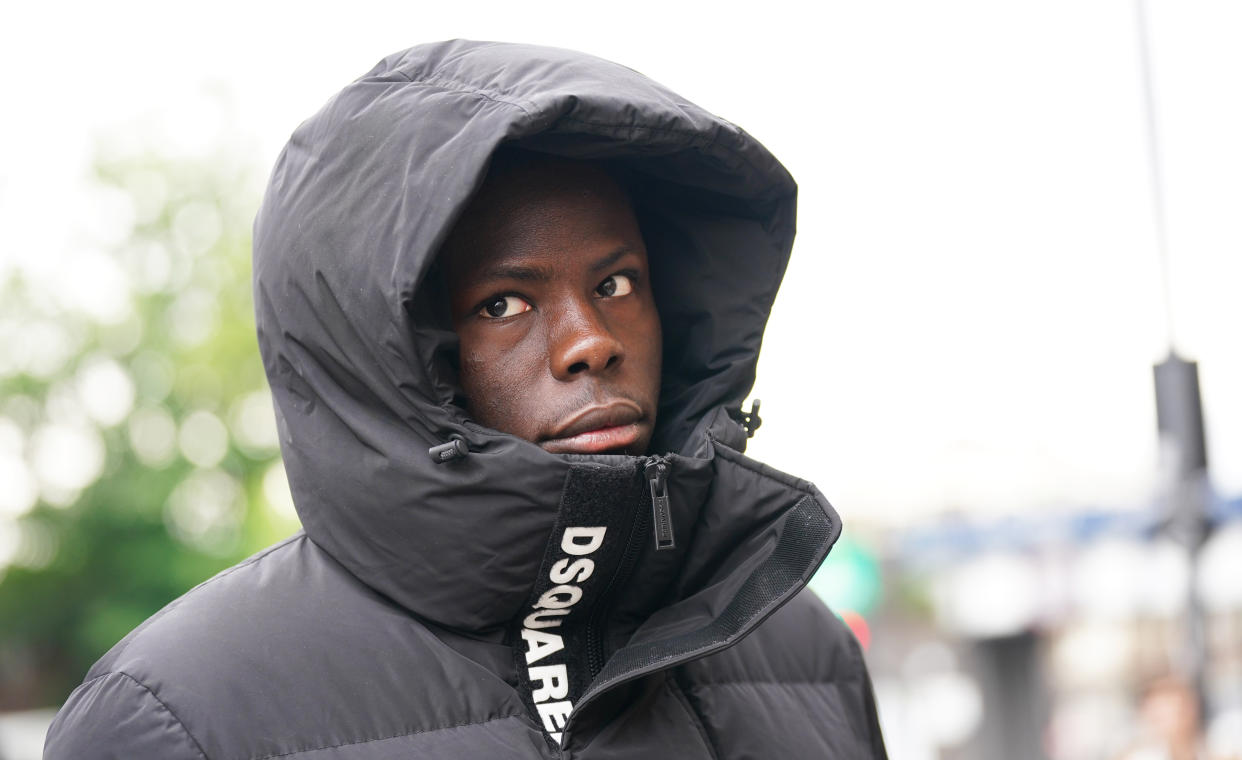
552	302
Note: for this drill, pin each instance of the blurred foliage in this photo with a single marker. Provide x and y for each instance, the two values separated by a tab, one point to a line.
138	449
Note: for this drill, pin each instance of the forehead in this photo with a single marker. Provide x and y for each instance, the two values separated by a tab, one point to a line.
547	210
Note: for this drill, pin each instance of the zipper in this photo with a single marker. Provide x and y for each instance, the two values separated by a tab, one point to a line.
661	514
656	474
595	624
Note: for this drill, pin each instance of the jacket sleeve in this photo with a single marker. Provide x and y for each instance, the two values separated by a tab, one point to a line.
842	650
878	750
115	717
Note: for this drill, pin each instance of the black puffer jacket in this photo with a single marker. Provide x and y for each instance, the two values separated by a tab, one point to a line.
439	609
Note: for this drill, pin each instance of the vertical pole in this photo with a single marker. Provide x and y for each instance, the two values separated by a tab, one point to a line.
1155	163
1179	418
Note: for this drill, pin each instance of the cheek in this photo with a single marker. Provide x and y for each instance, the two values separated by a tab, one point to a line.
497	381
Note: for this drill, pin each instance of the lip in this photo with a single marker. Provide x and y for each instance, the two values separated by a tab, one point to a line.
597	428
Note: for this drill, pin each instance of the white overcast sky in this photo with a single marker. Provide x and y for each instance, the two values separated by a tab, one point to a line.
974	303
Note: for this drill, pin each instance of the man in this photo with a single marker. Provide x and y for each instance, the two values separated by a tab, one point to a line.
509	299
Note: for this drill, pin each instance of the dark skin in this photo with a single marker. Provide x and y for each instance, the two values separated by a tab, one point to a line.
551	299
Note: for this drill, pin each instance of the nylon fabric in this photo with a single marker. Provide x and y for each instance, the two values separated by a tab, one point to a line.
398	624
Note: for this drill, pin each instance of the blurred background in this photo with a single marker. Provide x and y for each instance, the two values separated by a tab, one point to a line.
1011	213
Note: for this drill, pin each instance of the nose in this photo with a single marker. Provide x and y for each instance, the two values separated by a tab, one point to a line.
582	343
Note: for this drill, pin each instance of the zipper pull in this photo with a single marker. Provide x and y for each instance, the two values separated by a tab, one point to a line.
662	516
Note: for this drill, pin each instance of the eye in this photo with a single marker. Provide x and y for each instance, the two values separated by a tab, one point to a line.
616	285
503	306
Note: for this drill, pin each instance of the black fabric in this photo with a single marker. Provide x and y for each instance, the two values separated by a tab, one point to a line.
595	497
801	539
393	627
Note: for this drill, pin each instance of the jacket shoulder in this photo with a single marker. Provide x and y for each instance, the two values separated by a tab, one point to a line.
249	664
802	641
796	687
114	715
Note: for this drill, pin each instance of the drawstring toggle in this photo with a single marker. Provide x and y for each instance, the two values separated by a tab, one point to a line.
447	452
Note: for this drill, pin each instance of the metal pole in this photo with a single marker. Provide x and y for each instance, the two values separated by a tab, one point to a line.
1179	410
1155	165
1179	417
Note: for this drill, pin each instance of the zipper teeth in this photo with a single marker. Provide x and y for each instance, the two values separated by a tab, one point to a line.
595	644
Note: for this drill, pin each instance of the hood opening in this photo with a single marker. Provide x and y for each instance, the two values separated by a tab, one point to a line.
687	231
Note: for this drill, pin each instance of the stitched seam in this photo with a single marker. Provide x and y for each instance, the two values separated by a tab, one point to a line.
636	126
675	687
90	681
834	682
161	703
448	84
176	602
385	738
860	664
249	562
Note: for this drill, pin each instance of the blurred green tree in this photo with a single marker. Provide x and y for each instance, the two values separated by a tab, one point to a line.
138	447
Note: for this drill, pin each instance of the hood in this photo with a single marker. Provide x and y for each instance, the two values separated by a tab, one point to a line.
356	349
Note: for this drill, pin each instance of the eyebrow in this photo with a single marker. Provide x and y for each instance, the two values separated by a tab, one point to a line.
514	272
524	273
611	258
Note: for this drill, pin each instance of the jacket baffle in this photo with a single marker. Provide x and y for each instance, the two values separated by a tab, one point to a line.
495	600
